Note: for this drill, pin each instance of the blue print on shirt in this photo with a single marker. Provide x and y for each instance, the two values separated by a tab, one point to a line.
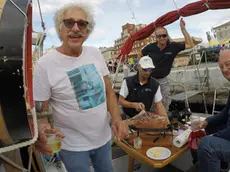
88	86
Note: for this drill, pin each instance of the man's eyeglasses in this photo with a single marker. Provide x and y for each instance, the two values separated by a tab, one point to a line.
147	69
162	35
69	23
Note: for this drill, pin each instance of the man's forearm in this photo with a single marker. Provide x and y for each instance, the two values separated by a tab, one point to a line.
218	119
44	113
188	38
224	134
126	103
160	109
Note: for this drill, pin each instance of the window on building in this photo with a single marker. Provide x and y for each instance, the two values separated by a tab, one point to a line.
228	32
224	34
221	35
125	31
218	35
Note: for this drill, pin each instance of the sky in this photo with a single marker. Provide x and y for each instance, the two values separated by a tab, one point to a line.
111	15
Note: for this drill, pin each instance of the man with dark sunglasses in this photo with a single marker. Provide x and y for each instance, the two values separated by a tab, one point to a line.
140	92
72	81
163	53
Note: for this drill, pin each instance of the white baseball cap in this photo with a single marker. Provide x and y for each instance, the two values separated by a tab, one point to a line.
146	62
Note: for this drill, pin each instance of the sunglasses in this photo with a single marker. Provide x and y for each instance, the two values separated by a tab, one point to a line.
69	23
162	35
147	69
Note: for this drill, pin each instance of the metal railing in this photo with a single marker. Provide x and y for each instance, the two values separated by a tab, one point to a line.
215	98
202	82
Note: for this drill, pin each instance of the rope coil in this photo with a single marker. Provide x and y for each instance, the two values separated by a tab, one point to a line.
178	11
24	144
20	145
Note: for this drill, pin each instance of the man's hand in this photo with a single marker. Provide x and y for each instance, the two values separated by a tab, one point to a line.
42	143
120	129
203	124
182	24
139	106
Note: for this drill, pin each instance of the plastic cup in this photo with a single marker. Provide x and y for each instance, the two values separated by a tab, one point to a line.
54	141
137	143
195	123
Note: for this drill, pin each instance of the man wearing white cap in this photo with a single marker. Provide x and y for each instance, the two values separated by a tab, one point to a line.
140	92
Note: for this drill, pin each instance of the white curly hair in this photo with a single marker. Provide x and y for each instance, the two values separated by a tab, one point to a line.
86	8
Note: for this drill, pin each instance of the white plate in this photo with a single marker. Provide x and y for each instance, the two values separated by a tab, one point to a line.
158	153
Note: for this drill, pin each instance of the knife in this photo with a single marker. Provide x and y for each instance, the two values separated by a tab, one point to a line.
155	140
127	144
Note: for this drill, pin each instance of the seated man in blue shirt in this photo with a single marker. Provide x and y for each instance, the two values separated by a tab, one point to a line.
214	151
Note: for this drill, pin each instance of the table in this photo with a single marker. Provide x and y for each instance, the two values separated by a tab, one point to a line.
140	154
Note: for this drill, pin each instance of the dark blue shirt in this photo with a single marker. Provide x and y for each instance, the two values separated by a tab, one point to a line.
221	119
140	93
162	59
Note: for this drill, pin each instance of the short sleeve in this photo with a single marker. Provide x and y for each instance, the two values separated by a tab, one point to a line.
179	47
105	70
158	95
124	89
41	86
144	51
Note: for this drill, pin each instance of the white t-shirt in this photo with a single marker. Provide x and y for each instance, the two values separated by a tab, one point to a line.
76	92
124	91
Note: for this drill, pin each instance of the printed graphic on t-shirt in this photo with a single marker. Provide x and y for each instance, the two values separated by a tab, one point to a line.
88	86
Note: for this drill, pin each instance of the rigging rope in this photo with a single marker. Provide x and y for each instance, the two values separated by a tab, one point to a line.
178	10
40	11
134	17
45	31
49	35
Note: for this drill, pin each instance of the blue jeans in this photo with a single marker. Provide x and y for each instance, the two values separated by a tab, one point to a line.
213	150
101	159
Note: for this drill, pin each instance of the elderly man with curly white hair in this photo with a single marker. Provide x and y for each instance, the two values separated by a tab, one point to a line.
72	81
